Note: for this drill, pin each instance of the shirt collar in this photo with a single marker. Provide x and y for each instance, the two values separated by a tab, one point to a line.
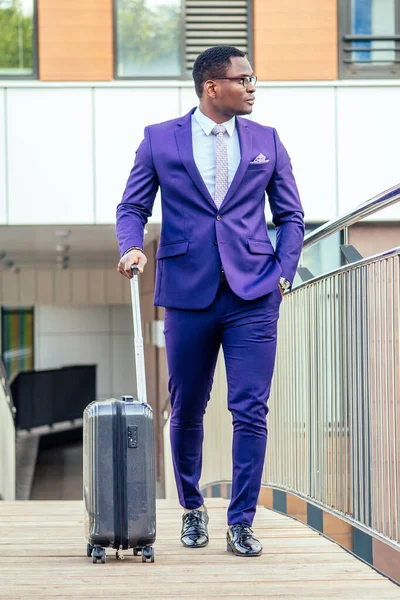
208	124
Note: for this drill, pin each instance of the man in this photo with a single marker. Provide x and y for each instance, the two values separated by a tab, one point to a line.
217	273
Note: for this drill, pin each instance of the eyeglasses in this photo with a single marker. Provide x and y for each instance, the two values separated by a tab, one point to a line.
245	81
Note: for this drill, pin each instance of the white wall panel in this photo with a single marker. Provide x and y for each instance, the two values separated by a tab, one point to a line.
50	156
368	145
120	118
80	287
60	320
28	287
10	288
121	319
188	100
50	149
305	121
126	291
114	293
3	172
58	351
45	287
62	287
97	286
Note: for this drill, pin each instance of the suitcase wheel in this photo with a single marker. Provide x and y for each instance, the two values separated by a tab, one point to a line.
148	554
98	553
89	550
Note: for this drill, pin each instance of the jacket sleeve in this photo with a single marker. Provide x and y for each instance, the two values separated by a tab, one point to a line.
287	212
137	201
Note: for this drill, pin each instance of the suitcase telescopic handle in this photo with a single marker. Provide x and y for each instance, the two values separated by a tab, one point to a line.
138	337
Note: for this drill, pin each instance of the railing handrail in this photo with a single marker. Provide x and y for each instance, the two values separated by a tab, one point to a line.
371	38
370	207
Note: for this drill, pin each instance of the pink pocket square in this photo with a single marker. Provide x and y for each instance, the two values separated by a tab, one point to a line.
260	159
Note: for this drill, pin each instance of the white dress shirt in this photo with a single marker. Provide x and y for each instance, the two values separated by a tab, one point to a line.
204	148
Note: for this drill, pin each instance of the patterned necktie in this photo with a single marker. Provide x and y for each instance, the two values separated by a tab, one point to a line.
221	165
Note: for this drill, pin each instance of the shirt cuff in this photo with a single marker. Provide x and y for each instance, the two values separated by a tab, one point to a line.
132	248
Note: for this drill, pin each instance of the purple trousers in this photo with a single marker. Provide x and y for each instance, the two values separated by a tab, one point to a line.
247	331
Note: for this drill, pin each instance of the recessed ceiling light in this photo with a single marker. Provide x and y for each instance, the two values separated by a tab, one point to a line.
63	232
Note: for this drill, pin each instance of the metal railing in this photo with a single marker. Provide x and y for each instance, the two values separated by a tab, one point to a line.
366	46
335	401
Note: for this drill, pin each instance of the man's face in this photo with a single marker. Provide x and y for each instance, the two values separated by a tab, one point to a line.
231	96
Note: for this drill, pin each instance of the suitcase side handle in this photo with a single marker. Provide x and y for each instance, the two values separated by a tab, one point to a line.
138	337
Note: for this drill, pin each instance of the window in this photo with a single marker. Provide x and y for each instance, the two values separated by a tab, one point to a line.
148	36
17	38
162	38
369	38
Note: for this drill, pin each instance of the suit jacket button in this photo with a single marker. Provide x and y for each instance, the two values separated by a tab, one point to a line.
219	217
215	243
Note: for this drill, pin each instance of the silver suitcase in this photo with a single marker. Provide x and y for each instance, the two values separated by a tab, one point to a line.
118	466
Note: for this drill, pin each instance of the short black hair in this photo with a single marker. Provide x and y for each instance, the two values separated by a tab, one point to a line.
213	62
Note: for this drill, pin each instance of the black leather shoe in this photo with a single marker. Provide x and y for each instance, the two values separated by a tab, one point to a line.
242	542
194	529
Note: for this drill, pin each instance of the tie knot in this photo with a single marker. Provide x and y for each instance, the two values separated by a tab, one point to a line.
219	129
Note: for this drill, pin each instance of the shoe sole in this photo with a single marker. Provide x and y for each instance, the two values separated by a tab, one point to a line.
230	549
194	547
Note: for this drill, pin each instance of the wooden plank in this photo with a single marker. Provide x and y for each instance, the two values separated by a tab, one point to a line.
43	555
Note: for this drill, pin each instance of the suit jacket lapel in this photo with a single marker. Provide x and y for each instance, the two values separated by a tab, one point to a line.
183	136
245	141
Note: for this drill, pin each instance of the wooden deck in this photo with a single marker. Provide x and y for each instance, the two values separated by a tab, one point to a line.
43	555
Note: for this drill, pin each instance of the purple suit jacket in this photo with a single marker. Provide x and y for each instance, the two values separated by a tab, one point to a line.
196	237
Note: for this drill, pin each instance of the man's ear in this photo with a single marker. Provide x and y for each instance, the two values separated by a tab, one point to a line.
209	88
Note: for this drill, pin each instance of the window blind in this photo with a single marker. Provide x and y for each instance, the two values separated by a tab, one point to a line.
213	23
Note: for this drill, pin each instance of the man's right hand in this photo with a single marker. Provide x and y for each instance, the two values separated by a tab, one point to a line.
134	257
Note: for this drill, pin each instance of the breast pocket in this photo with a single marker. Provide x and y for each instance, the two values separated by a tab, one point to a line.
259	166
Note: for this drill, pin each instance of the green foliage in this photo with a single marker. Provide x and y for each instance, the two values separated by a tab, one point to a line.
16	34
148	35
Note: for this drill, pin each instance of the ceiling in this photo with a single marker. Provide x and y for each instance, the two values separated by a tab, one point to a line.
35	247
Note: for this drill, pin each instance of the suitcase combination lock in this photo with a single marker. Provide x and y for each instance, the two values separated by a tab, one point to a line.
132	437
